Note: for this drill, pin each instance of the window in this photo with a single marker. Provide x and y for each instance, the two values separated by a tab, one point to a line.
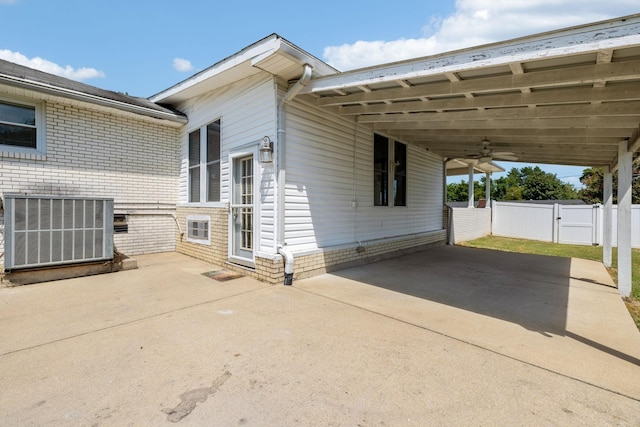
19	126
198	229
380	171
204	163
383	150
400	175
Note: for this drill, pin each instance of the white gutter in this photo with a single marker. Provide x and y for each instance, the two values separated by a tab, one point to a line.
281	171
93	99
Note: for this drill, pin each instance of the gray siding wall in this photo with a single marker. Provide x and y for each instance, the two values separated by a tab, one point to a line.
329	165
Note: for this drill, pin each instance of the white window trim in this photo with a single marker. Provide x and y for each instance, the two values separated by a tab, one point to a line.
41	124
201	218
203	167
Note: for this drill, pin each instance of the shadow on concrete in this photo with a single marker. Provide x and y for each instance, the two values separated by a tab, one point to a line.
528	290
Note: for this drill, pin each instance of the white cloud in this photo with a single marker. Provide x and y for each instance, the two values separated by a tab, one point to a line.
182	65
38	63
476	22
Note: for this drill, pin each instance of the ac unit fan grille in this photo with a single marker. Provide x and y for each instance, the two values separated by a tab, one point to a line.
42	231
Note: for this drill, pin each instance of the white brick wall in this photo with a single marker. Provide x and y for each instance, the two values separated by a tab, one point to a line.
148	233
92	152
470	223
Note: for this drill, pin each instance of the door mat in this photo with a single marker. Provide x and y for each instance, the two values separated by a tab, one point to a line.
222	275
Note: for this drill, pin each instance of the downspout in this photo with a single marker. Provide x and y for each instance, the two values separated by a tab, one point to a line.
444	202
281	171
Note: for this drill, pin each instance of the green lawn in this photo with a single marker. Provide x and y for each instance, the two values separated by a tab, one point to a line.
574	251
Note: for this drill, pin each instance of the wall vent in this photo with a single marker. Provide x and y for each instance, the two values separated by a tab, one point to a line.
120	224
50	230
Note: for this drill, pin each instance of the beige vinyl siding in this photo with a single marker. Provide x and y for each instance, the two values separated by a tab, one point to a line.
321	172
247	110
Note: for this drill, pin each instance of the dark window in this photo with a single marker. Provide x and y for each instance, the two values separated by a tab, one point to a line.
383	170
213	162
204	163
194	166
380	171
400	175
18	125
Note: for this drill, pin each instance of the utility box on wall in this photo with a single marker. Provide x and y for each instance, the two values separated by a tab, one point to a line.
52	230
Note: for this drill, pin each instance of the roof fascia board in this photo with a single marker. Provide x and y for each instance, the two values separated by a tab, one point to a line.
302	57
587	38
255	53
93	99
262	48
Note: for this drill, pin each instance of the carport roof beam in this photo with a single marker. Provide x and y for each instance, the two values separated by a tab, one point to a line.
605	35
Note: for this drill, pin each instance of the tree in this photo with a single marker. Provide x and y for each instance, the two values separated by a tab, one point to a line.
593	181
531	183
508	187
459	191
541	185
528	183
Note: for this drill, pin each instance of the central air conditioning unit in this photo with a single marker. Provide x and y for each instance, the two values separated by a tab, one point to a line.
48	230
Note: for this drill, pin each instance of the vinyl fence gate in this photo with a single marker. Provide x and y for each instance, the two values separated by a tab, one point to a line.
571	224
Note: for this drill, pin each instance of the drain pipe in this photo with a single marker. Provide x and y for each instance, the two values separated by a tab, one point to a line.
281	171
444	202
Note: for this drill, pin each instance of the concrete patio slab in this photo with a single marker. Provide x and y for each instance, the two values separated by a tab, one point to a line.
560	314
164	344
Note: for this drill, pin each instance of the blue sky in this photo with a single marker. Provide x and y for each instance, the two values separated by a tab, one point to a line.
142	47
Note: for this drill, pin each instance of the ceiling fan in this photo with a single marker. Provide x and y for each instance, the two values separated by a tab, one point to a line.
486	154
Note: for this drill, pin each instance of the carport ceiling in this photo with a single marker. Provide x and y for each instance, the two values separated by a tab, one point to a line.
563	97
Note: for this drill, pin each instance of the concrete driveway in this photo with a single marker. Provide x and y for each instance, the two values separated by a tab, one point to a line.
450	335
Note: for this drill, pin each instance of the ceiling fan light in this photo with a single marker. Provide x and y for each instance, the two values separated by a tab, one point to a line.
484	159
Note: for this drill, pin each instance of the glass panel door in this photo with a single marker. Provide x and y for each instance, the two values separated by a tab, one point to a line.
242	233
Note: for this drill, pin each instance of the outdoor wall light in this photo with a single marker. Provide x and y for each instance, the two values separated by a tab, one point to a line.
266	151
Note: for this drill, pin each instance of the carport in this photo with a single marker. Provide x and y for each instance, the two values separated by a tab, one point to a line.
568	97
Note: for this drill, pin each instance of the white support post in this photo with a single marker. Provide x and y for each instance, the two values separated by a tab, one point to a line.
607	218
625	175
487	191
470	204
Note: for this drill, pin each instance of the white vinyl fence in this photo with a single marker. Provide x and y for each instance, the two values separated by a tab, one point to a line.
574	224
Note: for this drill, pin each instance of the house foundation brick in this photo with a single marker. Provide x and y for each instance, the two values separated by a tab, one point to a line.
332	260
271	270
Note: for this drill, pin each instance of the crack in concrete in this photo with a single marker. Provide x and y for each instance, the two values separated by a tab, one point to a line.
132	321
191	398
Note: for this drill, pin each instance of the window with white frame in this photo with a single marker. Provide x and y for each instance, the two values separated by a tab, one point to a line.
21	126
198	229
389	178
204	163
